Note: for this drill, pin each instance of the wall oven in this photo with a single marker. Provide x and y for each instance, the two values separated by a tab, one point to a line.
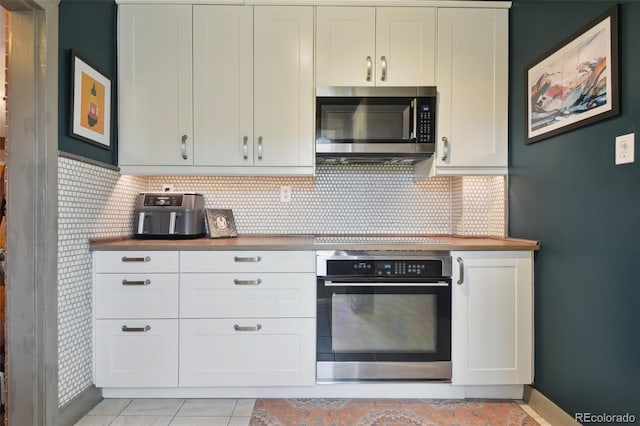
375	122
383	316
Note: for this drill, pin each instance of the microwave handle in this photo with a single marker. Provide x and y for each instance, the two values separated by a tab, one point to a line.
414	115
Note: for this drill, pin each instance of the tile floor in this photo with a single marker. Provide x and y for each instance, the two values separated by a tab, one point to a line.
174	412
188	412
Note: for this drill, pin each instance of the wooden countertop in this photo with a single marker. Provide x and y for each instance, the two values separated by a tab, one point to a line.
320	242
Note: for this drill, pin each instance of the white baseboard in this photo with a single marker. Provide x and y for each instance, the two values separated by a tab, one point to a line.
549	411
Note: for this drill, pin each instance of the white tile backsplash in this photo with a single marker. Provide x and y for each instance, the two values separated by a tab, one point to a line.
97	202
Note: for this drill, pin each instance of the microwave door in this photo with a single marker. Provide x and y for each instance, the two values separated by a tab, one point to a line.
365	120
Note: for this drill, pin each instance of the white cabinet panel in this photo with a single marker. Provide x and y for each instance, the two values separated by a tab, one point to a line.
406	39
472	80
247	352
247	261
492	322
283	93
136	353
136	261
154	85
223	85
136	295
247	295
345	46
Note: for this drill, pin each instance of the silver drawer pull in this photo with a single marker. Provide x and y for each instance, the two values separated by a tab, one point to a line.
247	282
145	282
136	259
136	329
253	259
237	327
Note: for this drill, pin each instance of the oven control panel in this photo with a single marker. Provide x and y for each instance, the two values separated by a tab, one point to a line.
385	268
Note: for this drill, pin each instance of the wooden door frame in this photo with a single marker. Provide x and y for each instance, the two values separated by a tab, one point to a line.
32	228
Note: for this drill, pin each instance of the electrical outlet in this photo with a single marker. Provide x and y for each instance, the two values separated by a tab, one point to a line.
625	148
285	194
166	187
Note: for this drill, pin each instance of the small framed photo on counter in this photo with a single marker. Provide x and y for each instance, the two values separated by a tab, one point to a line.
220	223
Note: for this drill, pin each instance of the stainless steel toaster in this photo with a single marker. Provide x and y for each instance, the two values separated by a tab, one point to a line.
168	215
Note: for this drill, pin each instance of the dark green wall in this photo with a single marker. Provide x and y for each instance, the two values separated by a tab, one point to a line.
566	192
88	27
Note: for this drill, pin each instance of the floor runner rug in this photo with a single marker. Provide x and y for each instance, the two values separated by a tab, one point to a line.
387	412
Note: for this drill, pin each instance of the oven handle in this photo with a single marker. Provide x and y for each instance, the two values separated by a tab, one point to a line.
329	283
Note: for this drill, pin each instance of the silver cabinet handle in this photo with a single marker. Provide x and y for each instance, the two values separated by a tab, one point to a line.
369	68
259	147
145	282
445	141
247	282
461	267
237	327
245	147
183	146
136	259
254	259
136	329
383	62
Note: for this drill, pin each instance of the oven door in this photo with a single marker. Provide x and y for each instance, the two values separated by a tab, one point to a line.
383	330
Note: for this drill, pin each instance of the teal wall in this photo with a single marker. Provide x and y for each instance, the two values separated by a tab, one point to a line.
88	27
567	193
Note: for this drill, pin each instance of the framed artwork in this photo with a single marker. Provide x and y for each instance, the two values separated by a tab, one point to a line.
90	104
576	82
220	223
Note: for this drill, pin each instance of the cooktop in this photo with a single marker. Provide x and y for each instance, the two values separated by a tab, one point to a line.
369	239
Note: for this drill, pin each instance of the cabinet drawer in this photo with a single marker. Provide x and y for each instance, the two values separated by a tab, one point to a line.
136	261
136	295
252	295
144	356
247	352
248	261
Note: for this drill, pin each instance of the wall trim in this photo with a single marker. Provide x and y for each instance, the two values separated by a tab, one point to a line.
87	160
547	408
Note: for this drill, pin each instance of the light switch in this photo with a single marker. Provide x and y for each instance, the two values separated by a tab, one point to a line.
625	148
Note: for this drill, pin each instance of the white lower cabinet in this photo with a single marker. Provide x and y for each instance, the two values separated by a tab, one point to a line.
247	352
204	318
492	323
136	353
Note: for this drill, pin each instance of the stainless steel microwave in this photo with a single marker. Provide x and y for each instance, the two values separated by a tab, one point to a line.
375	124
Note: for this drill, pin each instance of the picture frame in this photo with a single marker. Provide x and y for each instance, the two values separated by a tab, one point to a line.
576	83
90	112
220	223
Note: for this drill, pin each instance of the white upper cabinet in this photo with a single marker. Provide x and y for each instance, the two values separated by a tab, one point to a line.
223	85
154	85
369	46
472	81
251	76
283	94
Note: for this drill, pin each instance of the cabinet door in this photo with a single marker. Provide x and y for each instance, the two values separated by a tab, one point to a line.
283	91
405	46
492	322
345	47
223	85
472	78
154	85
247	352
136	353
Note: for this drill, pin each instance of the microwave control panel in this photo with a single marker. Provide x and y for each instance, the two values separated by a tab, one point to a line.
426	120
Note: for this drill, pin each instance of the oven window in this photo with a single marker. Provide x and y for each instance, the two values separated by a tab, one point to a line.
384	323
356	119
